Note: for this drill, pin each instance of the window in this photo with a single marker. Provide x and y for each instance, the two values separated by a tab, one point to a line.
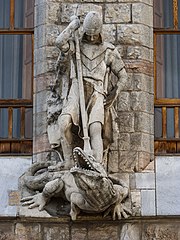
16	76
167	76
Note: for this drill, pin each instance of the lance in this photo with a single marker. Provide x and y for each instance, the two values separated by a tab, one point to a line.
84	118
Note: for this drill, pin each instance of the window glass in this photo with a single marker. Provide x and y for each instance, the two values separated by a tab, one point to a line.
158	122
167	66
15	66
163	13
24	16
4	13
3	122
170	122
28	122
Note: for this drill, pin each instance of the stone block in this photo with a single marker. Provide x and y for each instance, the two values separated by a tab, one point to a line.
139	66
52	31
41	157
41	143
145	180
124	101
117	13
142	82
40	55
40	36
40	14
51	232
113	161
131	34
11	169
144	122
142	101
109	33
126	122
168	185
78	233
41	82
136	203
69	9
7	231
53	12
40	123
40	68
139	52
128	161
144	162
28	231
140	141
149	2
40	104
130	231
160	231
124	141
142	13
103	231
148	203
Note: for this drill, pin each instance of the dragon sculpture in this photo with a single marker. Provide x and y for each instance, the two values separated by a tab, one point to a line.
86	186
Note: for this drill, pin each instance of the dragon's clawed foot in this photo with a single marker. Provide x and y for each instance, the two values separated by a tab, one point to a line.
120	211
38	200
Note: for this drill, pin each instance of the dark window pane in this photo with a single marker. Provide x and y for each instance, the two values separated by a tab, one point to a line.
163	13
170	123
158	122
28	122
24	17
3	123
16	122
167	66
15	66
4	13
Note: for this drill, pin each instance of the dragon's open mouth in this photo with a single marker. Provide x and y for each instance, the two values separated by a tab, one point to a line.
82	160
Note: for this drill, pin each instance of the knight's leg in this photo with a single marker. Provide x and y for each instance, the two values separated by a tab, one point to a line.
96	140
65	123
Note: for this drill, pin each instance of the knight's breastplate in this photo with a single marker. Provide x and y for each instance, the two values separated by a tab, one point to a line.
93	61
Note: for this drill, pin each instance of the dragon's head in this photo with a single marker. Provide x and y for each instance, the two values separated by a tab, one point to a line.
86	164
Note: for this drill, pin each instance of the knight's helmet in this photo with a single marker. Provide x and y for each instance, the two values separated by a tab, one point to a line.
92	25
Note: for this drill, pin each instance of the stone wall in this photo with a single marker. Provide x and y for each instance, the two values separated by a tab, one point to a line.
149	229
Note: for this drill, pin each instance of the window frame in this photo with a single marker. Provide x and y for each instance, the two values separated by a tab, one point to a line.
22	145
165	145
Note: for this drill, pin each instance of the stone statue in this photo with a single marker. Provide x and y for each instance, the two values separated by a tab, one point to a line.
80	126
87	108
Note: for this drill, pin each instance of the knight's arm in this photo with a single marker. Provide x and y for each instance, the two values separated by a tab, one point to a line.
117	66
63	40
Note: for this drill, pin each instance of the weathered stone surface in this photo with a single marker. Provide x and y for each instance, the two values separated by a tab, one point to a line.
113	162
140	141
41	123
103	231
144	162
28	231
62	231
41	82
41	143
131	34
40	36
124	101
117	13
145	180
7	231
78	233
168	185
160	232
109	33
142	13
129	232
142	82
40	102
150	2
68	10
144	122
40	14
142	101
128	161
136	203
126	122
139	66
148	203
11	169
139	52
124	141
